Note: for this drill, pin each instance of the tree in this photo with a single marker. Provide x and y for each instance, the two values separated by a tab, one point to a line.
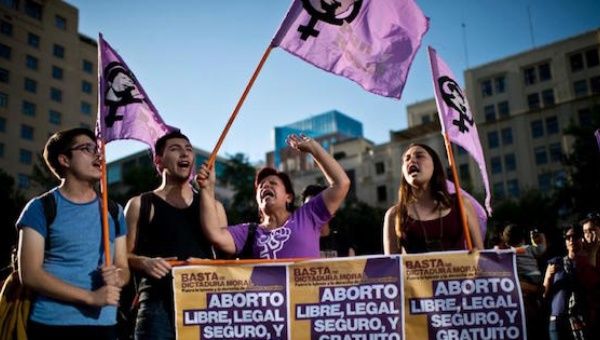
135	181
11	201
364	225
581	194
42	176
239	174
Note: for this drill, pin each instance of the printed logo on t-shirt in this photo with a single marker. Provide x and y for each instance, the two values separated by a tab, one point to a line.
273	242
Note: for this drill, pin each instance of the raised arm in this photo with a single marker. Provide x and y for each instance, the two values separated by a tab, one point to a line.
339	183
390	239
33	275
473	223
212	219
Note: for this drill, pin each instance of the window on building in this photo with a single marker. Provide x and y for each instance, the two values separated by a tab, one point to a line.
28	108
544	72
1	150
460	150
3	99
490	113
576	62
545	182
585	117
507	136
54	117
555	152
496	165
537	128
86	86
23	181
30	85
493	141
591	57
500	84
57	73
4	75
58	51
5	51
541	156
60	22
33	40
548	97
56	94
87	66
27	132
426	119
595	84
580	88
503	109
510	162
25	156
533	101
486	88
529	75
552	125
512	187
31	62
379	168
6	28
33	9
2	124
86	108
499	191
381	193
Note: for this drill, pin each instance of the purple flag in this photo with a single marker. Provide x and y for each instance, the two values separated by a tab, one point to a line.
481	214
370	42
124	109
597	134
456	117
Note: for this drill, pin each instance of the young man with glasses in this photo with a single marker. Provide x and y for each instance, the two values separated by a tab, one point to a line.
75	293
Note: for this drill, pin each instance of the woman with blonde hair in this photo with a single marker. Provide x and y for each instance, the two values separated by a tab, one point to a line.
426	217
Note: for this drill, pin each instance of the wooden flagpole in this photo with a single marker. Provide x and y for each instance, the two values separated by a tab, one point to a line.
213	155
461	207
104	192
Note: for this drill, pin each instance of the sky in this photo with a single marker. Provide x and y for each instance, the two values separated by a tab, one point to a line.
195	57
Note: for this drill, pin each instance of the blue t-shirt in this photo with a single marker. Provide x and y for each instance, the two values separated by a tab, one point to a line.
73	254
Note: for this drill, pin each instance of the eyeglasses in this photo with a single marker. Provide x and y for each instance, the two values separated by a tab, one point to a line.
90	148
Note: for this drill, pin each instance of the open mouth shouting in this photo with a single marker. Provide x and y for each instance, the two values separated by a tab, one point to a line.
184	164
413	170
266	194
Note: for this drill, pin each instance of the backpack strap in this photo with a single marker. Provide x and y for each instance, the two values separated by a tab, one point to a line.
49	206
144	215
246	252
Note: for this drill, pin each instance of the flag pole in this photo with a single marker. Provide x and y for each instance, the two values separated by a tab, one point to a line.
461	207
104	192
213	155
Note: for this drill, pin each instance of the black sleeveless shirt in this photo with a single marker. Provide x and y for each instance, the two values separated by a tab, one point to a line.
171	232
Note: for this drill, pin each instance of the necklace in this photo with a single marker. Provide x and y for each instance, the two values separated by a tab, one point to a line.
434	244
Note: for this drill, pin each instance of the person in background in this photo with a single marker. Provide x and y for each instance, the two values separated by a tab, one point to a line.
528	271
76	294
333	242
568	283
590	245
283	232
426	217
167	228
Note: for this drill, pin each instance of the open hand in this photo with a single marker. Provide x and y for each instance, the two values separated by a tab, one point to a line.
300	143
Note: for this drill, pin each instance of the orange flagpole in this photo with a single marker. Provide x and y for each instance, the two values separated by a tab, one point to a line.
213	155
104	191
461	207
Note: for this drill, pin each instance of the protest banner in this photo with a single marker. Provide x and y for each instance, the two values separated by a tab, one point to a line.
457	295
445	295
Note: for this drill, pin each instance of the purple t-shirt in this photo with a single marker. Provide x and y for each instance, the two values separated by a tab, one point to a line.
297	237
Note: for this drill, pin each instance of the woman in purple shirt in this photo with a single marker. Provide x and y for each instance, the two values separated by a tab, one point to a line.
282	232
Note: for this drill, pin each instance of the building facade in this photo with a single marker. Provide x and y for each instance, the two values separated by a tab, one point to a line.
327	128
48	80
